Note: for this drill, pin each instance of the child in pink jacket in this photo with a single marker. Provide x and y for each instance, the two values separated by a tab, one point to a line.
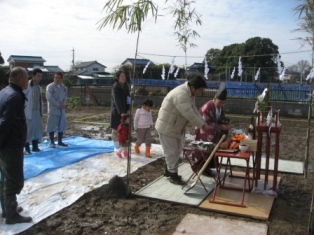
143	122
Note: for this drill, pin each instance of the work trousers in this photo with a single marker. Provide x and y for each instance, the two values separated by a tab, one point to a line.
12	175
172	147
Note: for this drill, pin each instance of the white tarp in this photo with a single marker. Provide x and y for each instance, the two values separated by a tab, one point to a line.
50	192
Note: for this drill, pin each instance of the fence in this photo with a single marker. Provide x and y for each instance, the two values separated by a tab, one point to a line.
243	90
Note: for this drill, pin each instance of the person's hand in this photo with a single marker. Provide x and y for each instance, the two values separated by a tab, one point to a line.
61	105
206	127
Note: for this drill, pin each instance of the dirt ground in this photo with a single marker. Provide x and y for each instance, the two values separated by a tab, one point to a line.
108	210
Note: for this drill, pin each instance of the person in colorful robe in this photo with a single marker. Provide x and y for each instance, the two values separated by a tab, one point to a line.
213	114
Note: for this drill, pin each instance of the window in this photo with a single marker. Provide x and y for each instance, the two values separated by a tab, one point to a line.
95	69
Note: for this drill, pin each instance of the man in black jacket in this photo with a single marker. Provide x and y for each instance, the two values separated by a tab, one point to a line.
12	140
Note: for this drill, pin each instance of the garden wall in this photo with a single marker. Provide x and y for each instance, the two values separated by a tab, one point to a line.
233	105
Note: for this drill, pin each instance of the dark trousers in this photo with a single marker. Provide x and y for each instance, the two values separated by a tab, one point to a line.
12	175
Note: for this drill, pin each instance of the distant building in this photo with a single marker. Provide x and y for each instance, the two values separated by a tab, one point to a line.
26	61
138	62
32	62
88	68
140	65
198	68
292	77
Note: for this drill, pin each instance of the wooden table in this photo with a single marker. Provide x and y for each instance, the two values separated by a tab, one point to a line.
221	182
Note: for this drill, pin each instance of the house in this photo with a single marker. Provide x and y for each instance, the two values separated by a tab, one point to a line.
88	68
32	62
198	68
138	62
292	77
26	61
140	65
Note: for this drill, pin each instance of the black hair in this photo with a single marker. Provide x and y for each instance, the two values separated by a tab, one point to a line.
58	73
197	82
37	70
118	73
124	117
148	103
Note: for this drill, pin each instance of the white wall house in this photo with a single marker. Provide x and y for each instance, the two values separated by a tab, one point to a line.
88	68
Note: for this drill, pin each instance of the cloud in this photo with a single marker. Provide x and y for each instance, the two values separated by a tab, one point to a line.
51	29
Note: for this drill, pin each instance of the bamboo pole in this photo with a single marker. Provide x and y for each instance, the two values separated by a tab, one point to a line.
307	148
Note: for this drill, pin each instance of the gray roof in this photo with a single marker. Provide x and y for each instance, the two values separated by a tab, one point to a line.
22	58
54	68
138	61
87	63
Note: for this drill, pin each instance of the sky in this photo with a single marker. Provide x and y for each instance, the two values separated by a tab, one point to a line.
52	29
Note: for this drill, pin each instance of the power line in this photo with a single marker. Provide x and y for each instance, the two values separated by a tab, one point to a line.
272	54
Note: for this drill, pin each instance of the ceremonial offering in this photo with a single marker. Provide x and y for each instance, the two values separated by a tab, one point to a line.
203	145
243	147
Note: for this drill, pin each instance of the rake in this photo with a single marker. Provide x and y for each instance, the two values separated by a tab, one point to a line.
206	163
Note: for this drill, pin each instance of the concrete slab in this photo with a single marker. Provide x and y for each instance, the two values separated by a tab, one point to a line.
283	165
207	225
162	189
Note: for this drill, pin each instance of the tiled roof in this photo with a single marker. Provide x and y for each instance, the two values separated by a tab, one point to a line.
138	61
23	58
197	65
87	63
54	68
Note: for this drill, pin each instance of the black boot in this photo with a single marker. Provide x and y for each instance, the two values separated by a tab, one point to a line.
60	143
27	149
176	179
168	173
11	210
35	146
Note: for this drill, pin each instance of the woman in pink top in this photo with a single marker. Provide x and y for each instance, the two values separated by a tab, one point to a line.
143	122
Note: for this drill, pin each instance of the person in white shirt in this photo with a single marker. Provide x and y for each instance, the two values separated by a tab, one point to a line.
34	111
57	95
143	122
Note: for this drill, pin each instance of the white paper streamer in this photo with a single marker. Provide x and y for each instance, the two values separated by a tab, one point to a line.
279	64
262	96
206	69
282	75
144	70
310	75
163	72
176	73
172	66
240	67
232	74
257	74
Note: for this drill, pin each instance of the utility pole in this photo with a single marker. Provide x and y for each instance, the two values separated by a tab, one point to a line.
73	57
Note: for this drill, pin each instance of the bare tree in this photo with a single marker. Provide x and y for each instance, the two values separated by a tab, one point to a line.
302	66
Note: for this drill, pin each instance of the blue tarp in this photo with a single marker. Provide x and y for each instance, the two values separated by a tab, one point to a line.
49	159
